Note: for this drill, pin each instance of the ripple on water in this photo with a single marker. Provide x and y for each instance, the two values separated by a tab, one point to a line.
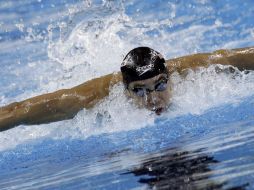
205	140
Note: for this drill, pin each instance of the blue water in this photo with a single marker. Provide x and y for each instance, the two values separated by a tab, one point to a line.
204	141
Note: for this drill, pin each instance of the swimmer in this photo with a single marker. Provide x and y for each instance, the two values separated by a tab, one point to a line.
144	73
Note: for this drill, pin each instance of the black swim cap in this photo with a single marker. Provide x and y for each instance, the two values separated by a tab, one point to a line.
142	63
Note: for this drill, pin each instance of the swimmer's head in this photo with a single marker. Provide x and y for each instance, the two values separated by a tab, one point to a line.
145	77
142	63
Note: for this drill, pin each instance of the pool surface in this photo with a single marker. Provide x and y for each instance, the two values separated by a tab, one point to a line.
204	141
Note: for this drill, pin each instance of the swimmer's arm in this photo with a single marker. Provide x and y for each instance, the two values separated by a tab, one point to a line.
56	106
242	58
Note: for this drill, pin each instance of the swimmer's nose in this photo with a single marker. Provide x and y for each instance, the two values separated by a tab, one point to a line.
153	98
153	101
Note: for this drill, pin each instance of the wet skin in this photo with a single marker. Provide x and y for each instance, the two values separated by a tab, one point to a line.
64	104
153	93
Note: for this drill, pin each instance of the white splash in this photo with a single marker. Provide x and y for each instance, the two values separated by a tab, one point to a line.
97	45
194	94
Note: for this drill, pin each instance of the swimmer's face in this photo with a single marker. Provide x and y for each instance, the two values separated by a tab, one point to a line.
153	93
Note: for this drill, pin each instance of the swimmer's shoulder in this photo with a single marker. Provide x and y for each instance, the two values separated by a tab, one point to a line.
242	58
96	88
187	62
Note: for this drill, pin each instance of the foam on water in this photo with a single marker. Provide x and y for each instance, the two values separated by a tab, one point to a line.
206	88
96	46
198	92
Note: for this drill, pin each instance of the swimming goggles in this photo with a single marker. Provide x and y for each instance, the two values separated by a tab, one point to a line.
161	85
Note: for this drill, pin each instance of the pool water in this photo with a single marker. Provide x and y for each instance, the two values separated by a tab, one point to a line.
204	141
